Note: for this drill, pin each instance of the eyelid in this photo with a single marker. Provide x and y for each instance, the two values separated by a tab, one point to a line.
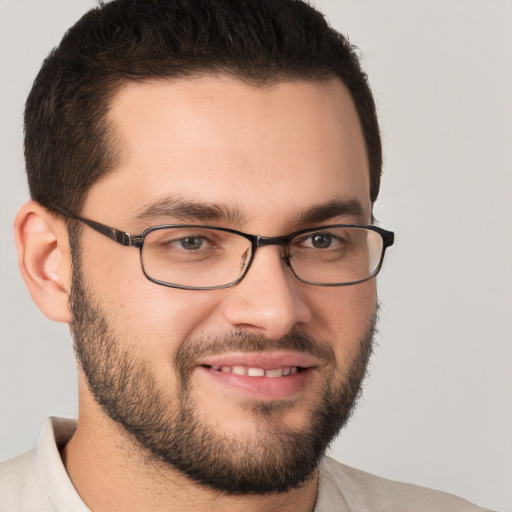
174	234
308	235
177	232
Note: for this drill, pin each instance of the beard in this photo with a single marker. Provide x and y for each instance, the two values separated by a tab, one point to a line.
174	431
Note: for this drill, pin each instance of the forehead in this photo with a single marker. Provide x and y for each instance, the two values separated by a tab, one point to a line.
218	140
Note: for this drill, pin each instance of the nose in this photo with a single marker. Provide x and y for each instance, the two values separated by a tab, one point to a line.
269	301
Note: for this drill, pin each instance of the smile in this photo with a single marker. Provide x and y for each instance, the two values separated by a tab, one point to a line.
262	376
284	371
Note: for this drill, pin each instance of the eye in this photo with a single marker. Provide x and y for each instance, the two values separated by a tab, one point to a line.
320	240
190	243
185	245
186	240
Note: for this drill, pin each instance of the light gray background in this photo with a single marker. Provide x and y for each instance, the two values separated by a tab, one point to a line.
437	408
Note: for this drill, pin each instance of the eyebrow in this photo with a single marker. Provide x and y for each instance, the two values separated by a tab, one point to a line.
336	207
181	209
184	209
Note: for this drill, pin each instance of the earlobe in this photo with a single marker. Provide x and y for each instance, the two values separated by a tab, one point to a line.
44	259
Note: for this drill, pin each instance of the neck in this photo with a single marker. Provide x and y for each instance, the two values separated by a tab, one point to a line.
112	473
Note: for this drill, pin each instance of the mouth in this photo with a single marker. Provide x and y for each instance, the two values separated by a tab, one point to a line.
284	371
261	376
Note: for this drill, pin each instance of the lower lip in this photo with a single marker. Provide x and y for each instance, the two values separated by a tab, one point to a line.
260	388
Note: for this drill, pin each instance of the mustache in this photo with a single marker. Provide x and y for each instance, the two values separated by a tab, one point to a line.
241	341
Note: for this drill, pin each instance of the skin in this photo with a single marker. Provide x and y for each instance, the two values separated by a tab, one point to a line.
269	153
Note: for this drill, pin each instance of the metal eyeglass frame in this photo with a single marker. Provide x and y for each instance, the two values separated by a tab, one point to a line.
127	239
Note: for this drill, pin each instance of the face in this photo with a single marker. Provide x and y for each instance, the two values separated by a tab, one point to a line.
249	379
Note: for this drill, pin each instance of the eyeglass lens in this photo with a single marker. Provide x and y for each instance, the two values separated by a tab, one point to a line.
199	257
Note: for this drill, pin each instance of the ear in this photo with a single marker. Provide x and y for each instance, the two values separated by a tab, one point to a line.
44	259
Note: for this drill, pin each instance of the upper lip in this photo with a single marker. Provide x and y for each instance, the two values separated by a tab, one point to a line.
265	360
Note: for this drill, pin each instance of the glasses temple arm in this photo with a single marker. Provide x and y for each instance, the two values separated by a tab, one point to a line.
121	237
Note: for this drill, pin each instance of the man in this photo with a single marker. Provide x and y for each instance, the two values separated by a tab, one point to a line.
202	176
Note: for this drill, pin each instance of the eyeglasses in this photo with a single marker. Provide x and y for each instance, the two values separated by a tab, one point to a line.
195	257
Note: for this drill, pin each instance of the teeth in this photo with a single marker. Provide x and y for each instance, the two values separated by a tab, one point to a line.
256	372
239	370
278	372
285	371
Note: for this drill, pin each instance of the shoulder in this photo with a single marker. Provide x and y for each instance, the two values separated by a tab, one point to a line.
20	485
37	480
366	492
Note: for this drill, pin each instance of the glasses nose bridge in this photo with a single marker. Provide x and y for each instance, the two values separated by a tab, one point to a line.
283	241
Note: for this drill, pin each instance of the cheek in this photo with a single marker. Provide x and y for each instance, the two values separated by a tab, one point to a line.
142	313
343	316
